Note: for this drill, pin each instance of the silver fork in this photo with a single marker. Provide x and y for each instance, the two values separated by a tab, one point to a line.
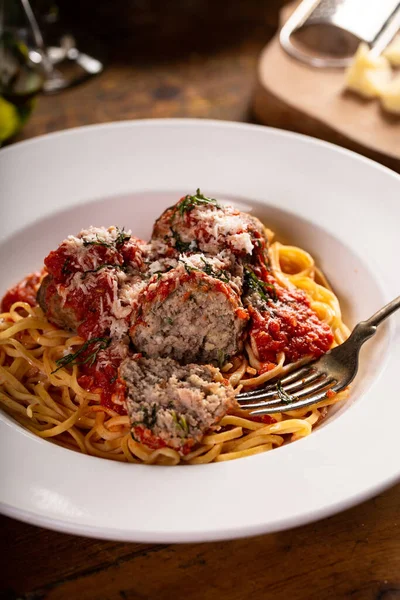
309	384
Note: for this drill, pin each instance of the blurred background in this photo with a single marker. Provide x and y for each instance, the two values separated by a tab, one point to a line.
65	63
181	58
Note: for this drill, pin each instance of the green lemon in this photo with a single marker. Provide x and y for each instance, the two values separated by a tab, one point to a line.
9	120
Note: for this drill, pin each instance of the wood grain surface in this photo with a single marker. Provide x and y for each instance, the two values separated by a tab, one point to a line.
355	554
190	59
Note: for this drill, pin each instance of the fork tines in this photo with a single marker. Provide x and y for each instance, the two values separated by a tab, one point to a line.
299	389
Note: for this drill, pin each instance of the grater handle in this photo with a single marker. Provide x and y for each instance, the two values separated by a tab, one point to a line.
387	34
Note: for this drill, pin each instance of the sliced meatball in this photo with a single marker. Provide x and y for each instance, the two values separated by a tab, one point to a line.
173	405
93	280
219	267
197	223
189	316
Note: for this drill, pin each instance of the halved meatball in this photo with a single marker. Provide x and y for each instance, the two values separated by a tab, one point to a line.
220	267
197	223
189	316
173	405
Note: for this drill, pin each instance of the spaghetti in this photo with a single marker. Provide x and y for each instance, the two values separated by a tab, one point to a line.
50	401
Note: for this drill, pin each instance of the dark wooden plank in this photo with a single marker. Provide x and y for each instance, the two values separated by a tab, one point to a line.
355	554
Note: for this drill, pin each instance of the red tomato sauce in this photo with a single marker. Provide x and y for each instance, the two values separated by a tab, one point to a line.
289	325
63	265
86	306
24	291
146	436
102	378
266	419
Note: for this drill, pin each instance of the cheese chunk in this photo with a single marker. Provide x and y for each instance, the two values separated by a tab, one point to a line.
368	75
390	96
392	52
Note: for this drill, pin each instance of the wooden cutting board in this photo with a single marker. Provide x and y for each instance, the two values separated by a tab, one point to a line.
295	96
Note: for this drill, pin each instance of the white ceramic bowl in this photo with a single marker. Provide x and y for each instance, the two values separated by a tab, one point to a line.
341	207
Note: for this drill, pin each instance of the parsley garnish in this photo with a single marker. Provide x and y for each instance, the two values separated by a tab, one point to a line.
104	266
66	266
221	274
73	359
183	424
284	396
121	238
265	290
150	416
207	269
180	421
180	245
221	358
188	268
96	242
190	202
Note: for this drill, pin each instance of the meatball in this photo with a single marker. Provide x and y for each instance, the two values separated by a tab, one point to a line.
188	315
92	282
219	266
197	223
52	305
173	405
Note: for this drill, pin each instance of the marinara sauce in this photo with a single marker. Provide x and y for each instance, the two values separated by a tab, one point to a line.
24	291
288	325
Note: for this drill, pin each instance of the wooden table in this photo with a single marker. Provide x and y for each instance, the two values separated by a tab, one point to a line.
355	554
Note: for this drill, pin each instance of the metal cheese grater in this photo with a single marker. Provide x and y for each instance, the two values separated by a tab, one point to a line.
326	33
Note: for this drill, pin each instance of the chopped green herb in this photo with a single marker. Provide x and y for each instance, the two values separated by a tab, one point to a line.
66	266
150	416
188	268
221	274
121	238
101	343
170	321
97	242
183	423
104	266
180	421
190	202
221	358
264	289
180	245
284	396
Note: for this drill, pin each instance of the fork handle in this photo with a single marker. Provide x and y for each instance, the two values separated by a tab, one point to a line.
383	313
